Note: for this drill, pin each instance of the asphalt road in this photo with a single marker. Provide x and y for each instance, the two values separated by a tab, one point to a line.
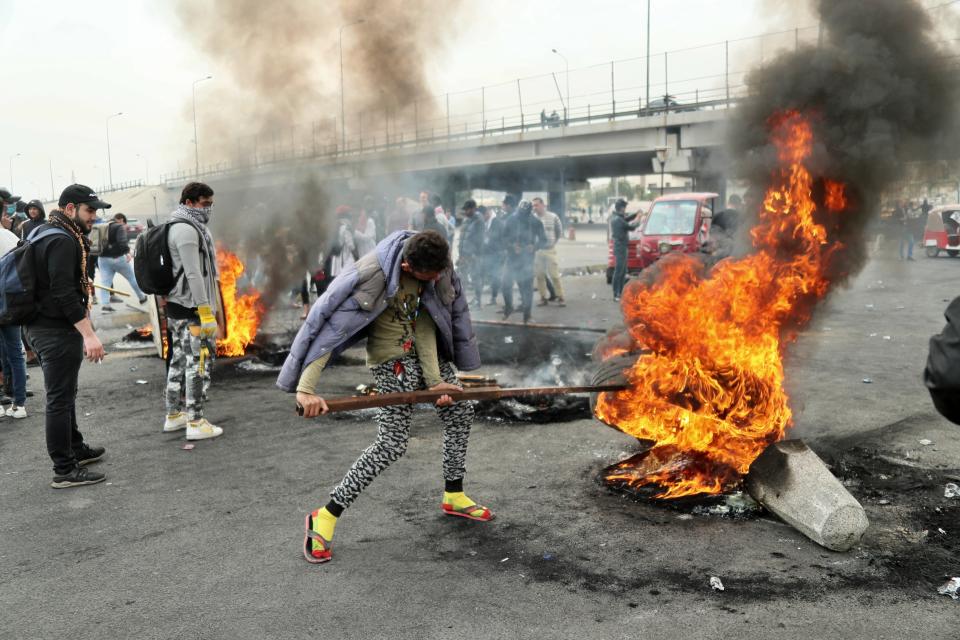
205	543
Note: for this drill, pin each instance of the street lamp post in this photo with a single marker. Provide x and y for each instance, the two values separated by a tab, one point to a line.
109	162
566	108
196	140
16	155
343	110
662	159
648	54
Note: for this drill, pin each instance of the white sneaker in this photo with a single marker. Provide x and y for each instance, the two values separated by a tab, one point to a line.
16	412
202	430
175	422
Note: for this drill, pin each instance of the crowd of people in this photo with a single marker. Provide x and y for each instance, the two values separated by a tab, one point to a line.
497	250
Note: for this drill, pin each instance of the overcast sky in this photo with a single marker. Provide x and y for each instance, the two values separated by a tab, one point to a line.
65	66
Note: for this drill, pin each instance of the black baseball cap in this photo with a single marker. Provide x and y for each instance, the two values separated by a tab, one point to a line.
6	196
82	194
469	204
510	200
620	204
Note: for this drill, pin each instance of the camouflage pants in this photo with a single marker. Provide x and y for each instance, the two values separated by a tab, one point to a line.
186	383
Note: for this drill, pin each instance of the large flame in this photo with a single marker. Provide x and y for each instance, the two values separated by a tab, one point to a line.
243	312
708	387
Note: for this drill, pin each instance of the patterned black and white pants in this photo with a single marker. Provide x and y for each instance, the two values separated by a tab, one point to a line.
394	430
186	382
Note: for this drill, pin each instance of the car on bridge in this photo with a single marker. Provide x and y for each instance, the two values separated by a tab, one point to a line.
679	222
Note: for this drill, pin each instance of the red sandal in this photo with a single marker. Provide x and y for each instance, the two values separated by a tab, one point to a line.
468	512
315	556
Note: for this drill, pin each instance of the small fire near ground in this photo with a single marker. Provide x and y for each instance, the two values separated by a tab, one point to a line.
708	387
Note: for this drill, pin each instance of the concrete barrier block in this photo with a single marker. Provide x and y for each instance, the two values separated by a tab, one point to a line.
792	482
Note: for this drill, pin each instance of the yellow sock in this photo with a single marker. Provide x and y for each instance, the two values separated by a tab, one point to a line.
457	500
324	523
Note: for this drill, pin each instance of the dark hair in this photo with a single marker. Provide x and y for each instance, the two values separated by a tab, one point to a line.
194	191
510	200
119	216
435	200
427	252
429	214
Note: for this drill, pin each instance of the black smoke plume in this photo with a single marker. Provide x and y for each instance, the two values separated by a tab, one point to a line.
880	91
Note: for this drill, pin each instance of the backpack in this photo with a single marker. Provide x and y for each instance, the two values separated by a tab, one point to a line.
18	279
112	248
152	263
99	237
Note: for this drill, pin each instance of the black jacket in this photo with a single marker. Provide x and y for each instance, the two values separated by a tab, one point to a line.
620	228
521	232
471	236
493	237
942	375
61	299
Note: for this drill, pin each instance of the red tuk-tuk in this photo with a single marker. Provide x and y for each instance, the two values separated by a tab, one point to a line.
942	231
676	222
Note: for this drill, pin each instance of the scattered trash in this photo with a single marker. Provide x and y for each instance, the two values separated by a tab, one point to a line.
874	335
109	484
951	589
556	361
925	442
472	552
508	339
941	531
868	381
141	382
715	583
869	306
887	338
684	516
593	296
188	446
884	501
951	491
256	365
87	414
505	559
549	556
133	368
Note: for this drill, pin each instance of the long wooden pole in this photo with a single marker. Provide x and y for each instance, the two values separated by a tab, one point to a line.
353	403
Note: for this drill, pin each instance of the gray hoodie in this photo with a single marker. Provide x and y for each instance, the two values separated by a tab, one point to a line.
197	285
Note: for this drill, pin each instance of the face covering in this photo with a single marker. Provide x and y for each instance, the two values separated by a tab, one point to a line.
11	209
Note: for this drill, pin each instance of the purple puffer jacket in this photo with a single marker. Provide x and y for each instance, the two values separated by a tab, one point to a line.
358	295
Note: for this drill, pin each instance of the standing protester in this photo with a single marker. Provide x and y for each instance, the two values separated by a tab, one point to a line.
61	332
191	320
902	218
448	222
470	250
523	236
36	216
414	314
115	259
343	253
492	253
11	351
546	260
365	233
620	228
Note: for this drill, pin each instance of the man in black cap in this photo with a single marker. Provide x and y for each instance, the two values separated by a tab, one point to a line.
620	227
61	333
470	254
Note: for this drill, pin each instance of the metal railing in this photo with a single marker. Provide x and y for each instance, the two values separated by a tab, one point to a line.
714	77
